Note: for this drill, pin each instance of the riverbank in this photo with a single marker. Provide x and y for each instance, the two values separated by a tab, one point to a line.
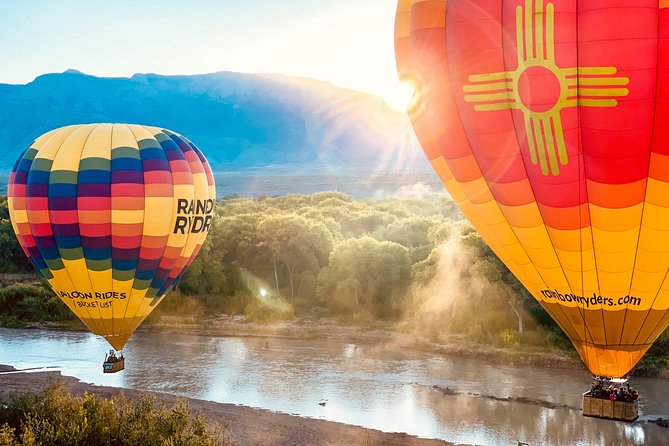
244	425
386	339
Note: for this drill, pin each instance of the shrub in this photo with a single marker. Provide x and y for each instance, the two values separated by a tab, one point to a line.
270	309
509	337
7	437
30	303
55	417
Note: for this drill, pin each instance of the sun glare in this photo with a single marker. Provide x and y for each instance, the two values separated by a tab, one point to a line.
400	96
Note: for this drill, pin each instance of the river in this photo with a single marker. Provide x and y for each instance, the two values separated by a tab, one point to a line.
387	389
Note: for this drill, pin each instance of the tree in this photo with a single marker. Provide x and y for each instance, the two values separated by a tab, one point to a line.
206	274
424	271
440	233
502	279
495	277
235	241
297	243
366	222
412	233
319	197
365	274
12	257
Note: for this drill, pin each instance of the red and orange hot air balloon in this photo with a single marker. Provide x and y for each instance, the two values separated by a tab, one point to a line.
548	122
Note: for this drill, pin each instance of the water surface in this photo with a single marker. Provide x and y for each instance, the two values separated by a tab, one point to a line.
386	389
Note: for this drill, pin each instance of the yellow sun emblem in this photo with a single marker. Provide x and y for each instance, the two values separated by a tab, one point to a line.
541	89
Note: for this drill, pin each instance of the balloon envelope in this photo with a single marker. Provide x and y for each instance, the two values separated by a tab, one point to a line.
548	122
111	215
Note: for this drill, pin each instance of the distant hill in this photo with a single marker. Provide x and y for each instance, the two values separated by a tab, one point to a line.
238	120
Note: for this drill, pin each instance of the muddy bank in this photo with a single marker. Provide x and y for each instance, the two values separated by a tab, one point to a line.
384	337
512	399
245	425
385	340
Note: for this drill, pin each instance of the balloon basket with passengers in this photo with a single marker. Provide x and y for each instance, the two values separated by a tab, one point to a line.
612	399
113	363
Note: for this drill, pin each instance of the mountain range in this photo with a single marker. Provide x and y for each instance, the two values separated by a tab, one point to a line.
238	120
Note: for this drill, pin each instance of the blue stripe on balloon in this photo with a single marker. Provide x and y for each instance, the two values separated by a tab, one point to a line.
145	274
123	265
172	151
59	190
150	153
20	160
160	277
39	262
36	257
98	254
126	164
38	176
24	165
49	253
91	176
68	242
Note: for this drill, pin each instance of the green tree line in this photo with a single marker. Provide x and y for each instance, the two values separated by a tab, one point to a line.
326	253
416	263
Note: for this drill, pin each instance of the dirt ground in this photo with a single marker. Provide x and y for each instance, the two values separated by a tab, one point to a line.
246	426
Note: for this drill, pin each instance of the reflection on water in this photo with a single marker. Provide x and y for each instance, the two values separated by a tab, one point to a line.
379	388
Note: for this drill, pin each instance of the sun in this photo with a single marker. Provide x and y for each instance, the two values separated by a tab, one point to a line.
400	96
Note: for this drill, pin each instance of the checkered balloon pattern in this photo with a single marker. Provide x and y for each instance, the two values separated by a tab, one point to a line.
111	216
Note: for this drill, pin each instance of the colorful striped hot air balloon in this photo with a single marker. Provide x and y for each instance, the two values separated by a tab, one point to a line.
111	215
548	122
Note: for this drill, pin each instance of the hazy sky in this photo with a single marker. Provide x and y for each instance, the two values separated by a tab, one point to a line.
347	42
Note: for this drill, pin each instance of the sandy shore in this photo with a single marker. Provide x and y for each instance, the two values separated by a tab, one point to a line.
246	426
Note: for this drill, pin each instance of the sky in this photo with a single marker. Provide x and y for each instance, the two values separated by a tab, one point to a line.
346	42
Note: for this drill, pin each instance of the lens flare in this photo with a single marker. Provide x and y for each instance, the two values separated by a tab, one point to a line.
402	96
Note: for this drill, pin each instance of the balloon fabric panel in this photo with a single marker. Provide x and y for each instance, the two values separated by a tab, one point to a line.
547	122
111	215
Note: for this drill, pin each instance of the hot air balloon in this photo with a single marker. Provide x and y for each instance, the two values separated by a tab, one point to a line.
548	123
111	216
